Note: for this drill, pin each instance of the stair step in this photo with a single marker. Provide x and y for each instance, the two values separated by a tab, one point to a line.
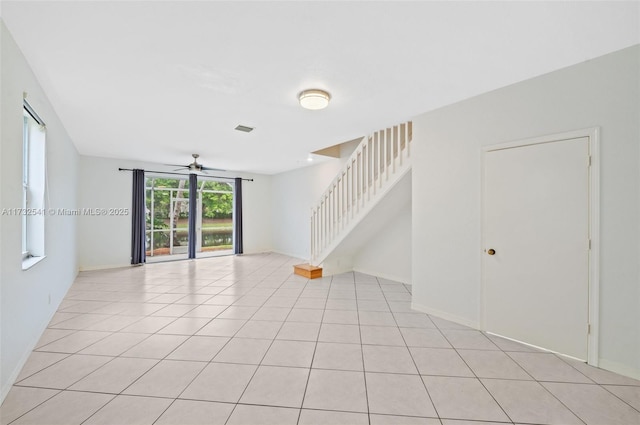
308	271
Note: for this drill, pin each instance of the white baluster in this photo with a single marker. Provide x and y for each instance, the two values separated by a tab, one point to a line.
376	162
358	179
348	191
340	203
409	137
334	211
403	143
369	167
395	131
353	189
377	157
326	220
323	240
380	168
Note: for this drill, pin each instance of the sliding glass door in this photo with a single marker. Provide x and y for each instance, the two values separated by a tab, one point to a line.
167	222
215	218
167	201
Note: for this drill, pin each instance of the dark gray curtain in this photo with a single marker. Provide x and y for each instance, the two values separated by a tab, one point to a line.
193	210
237	217
138	213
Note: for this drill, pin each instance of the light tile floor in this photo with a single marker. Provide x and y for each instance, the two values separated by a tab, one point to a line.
240	340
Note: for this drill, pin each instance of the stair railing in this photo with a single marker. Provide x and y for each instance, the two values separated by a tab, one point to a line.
365	174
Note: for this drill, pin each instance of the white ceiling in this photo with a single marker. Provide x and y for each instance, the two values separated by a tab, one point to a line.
159	80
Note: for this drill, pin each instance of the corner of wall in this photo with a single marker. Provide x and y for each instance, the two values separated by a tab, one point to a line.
29	298
337	265
445	315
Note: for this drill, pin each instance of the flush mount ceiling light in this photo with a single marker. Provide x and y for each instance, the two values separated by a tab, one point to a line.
314	99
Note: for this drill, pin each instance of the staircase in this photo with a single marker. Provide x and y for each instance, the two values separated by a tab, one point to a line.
374	168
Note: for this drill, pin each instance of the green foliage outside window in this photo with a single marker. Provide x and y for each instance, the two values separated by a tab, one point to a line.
217	213
215	205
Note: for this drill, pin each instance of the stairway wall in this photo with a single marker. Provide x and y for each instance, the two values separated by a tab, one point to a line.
366	249
387	253
293	195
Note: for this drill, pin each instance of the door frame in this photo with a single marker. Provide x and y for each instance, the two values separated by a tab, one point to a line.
593	134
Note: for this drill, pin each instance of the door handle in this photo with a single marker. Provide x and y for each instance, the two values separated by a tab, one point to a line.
491	251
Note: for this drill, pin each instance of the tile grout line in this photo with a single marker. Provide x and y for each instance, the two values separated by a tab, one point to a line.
315	348
435	409
244	279
364	367
158	361
546	389
475	375
266	351
603	386
35	407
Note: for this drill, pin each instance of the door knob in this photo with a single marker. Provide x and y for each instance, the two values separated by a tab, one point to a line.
491	251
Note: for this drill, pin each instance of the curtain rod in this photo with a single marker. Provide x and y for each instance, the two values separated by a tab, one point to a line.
183	174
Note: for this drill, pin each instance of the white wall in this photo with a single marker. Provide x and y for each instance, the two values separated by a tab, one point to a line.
256	213
294	193
29	298
446	152
366	247
106	241
387	253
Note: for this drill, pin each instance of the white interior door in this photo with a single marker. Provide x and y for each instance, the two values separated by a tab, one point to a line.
536	219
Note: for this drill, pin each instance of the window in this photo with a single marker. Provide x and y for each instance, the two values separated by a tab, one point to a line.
33	187
167	208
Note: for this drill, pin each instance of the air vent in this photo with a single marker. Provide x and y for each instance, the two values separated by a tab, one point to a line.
244	128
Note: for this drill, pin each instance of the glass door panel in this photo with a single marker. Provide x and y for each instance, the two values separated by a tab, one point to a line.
180	223
167	218
215	218
167	202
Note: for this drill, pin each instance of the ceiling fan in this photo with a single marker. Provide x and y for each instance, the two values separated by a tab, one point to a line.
196	166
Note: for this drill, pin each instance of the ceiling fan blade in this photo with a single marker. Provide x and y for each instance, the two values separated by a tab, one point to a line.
211	169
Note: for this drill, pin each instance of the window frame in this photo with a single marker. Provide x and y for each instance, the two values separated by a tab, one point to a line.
33	221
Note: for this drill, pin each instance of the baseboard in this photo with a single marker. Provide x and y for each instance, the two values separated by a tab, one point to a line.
387	276
123	266
619	368
257	252
337	266
446	316
103	267
289	254
25	356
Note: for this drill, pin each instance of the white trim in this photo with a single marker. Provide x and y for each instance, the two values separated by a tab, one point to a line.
106	267
447	316
29	262
594	254
520	342
593	134
536	347
26	354
386	276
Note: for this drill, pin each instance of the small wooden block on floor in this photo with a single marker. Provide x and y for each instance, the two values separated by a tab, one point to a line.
308	271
